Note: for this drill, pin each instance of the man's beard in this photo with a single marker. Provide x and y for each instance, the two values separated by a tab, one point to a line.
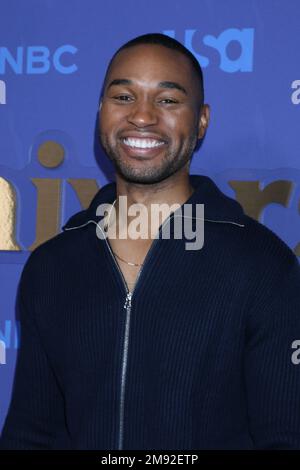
169	165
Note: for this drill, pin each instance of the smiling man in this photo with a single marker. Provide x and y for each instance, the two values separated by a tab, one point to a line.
151	118
137	342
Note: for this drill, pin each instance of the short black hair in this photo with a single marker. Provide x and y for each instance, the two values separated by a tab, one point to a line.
170	43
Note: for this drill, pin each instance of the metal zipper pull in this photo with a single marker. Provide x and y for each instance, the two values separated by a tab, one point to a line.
128	300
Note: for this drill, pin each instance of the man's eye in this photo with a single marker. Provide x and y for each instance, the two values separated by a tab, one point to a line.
169	101
122	98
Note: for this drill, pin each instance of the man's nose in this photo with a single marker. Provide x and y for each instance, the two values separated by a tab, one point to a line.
142	114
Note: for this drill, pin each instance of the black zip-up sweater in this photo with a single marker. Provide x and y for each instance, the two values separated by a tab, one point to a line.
201	356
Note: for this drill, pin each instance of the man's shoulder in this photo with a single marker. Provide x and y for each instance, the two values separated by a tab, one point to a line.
60	242
57	251
265	249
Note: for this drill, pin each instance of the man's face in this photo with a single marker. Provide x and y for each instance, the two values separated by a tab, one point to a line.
150	114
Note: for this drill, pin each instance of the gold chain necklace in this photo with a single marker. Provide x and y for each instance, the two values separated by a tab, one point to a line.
121	259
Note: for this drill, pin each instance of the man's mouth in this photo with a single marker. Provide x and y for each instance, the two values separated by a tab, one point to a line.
142	143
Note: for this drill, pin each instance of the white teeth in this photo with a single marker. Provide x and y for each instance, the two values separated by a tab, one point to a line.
142	143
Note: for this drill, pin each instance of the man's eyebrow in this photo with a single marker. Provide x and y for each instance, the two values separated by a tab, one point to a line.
175	85
120	81
165	84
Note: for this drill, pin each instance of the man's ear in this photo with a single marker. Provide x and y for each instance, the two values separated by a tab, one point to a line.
203	120
100	104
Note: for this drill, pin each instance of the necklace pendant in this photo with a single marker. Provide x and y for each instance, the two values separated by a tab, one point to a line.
132	264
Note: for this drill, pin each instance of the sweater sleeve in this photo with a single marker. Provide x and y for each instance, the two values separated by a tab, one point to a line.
36	413
272	363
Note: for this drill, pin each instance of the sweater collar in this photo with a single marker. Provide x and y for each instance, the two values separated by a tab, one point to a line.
217	206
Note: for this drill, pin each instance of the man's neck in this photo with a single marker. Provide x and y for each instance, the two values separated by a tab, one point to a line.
170	192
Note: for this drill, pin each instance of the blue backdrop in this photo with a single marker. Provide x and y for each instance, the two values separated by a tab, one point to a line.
53	56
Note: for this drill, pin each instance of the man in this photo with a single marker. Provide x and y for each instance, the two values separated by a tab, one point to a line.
131	343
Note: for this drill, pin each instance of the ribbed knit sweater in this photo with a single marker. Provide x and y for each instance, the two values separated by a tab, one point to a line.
200	357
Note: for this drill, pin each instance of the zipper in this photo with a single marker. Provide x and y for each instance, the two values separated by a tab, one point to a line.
127	306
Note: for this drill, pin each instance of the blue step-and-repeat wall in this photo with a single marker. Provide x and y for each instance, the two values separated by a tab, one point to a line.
53	56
